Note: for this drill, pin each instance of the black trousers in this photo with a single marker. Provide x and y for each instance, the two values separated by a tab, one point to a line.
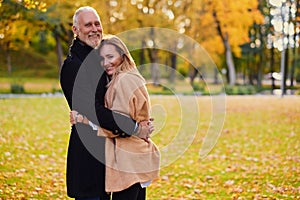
134	192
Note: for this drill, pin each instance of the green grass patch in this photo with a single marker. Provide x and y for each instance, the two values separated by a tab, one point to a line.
29	85
255	157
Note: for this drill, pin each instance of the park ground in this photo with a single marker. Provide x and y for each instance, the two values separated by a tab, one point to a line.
256	156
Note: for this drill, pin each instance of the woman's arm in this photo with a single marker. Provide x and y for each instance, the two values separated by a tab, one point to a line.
76	117
131	98
113	121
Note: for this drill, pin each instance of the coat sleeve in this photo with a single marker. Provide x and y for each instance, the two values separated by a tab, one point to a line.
112	121
132	89
140	104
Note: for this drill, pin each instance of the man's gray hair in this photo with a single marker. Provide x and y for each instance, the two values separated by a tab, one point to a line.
80	10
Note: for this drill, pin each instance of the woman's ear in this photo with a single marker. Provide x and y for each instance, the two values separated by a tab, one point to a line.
123	57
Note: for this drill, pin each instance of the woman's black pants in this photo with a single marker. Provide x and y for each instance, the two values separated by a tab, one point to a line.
134	192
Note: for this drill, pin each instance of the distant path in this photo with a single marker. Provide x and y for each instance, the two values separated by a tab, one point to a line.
9	96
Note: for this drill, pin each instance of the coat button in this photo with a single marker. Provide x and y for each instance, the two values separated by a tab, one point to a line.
123	134
116	131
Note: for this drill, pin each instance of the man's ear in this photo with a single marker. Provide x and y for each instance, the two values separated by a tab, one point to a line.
75	30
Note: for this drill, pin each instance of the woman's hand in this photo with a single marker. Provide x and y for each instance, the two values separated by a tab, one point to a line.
75	118
145	129
73	114
147	122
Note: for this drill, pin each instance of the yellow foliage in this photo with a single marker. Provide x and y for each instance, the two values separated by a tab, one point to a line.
31	4
193	18
234	18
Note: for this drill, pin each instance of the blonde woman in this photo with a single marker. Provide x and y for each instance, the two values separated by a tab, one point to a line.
131	162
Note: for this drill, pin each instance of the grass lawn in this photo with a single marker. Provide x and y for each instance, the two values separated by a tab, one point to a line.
257	155
30	85
51	85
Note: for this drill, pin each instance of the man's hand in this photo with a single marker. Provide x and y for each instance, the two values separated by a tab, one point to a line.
145	129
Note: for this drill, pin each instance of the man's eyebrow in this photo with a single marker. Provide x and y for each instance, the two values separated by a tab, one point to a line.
88	23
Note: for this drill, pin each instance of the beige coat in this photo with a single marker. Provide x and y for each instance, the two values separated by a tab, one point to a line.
129	160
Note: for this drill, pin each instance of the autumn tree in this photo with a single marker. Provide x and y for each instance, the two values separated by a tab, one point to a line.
285	38
120	16
208	22
231	19
58	21
15	27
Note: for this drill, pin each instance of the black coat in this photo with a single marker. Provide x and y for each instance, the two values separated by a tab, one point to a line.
83	83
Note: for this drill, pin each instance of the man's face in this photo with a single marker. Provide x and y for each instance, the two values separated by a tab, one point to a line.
89	29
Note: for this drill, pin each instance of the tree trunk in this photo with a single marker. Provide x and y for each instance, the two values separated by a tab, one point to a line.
228	52
142	56
154	59
8	59
193	73
293	67
286	67
259	70
250	69
154	66
261	60
294	63
173	66
59	51
272	68
282	69
155	74
229	62
216	76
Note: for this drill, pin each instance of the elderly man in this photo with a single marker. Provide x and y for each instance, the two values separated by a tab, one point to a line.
83	83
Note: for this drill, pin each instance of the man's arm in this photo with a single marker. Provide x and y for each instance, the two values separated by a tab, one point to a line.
115	122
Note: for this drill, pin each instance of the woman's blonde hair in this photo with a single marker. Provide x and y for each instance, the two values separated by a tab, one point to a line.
128	63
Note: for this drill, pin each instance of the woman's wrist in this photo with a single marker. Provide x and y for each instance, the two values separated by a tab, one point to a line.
79	118
85	120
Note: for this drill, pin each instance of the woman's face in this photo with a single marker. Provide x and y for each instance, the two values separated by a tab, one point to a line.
110	58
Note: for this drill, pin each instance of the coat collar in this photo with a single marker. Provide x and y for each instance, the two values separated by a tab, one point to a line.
80	49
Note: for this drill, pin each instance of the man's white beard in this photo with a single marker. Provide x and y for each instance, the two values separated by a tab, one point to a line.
93	43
